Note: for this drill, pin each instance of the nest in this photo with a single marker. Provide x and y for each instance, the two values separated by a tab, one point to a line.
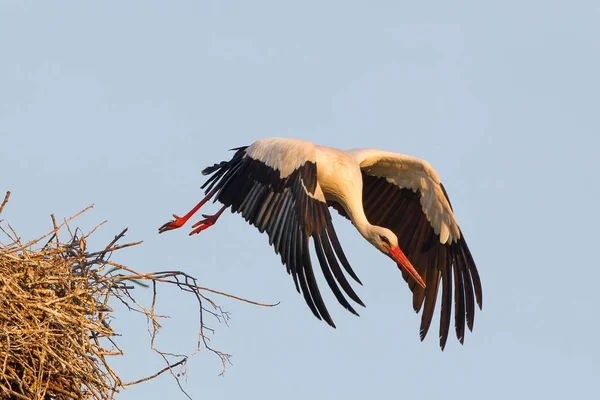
55	310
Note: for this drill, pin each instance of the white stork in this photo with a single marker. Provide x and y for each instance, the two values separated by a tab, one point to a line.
397	203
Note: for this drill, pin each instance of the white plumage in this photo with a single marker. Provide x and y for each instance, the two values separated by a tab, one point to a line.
415	174
283	155
397	202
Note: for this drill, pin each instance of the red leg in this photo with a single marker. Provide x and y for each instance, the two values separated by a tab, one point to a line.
178	222
206	223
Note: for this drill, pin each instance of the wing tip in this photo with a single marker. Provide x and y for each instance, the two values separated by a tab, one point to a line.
443	341
470	324
353	311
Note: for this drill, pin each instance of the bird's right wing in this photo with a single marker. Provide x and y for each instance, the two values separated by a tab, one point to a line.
405	194
273	184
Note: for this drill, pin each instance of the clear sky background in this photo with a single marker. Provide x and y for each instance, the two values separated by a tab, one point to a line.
122	104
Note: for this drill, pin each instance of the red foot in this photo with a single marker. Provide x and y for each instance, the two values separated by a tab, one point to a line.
176	223
206	223
180	221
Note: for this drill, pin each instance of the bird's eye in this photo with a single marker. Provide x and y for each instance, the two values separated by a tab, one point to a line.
384	239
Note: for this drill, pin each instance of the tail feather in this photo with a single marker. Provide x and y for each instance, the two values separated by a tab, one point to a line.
219	170
210	170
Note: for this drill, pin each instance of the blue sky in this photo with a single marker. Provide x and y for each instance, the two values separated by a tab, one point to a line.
122	104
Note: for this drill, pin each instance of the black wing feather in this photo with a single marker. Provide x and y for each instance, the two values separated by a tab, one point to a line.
325	267
431	290
446	302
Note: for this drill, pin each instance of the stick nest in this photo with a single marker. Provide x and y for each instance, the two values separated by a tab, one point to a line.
55	312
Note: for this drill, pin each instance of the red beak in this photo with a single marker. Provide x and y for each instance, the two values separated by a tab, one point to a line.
398	255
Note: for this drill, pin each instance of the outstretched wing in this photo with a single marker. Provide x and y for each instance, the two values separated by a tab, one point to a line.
405	195
273	185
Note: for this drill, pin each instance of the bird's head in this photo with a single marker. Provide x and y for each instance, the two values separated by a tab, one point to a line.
387	242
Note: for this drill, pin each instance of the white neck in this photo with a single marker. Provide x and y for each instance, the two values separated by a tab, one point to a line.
356	212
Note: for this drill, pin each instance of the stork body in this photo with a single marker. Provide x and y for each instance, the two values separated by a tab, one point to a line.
396	202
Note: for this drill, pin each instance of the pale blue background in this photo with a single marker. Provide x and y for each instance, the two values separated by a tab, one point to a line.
122	103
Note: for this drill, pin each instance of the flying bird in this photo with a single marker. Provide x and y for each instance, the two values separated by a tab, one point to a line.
397	202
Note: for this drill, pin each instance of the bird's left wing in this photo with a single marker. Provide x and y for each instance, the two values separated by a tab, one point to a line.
273	184
405	194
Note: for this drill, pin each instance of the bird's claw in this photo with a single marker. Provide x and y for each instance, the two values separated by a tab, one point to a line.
207	222
176	223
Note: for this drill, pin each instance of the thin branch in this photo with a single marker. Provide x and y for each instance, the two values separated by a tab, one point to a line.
165	369
256	303
6	197
64	223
